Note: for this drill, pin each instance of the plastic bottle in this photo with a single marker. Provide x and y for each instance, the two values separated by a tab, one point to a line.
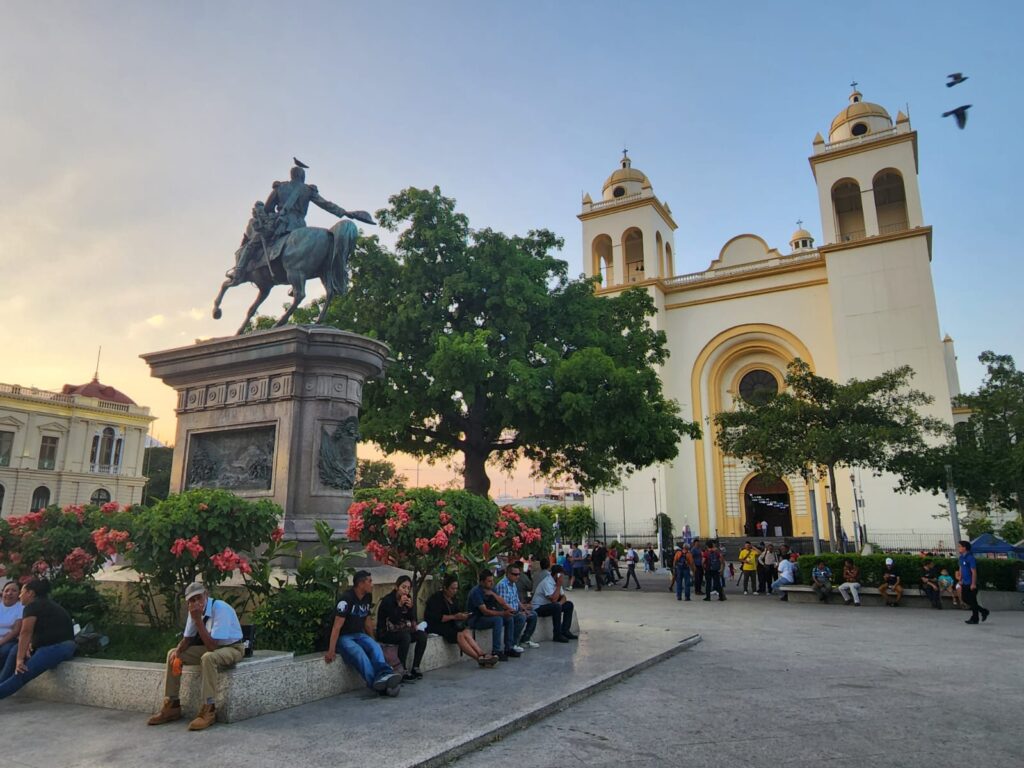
176	667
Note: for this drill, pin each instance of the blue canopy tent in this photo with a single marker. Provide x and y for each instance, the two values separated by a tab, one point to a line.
990	544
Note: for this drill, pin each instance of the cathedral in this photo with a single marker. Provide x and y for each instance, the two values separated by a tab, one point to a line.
855	303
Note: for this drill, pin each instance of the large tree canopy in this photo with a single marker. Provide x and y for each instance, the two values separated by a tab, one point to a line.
986	453
817	424
499	356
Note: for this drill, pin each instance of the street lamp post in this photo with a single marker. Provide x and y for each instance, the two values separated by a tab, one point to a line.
951	498
657	517
814	516
858	538
623	514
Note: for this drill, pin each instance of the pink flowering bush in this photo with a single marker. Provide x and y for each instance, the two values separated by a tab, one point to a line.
201	535
420	530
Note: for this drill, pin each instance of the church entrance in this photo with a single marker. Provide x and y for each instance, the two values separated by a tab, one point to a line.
765	499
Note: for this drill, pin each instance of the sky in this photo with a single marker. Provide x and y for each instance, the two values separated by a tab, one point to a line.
135	137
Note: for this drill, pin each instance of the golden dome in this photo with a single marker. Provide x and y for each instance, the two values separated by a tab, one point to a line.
626	177
859	109
801	234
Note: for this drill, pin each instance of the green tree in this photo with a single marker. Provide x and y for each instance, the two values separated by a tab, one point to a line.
816	425
985	454
978	526
1012	531
575	524
372	473
667	530
156	465
498	356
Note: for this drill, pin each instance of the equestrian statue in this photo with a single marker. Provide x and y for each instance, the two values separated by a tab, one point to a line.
279	249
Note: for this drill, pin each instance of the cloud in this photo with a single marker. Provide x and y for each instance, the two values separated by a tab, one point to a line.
157	321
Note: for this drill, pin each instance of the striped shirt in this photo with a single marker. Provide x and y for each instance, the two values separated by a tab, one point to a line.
507	591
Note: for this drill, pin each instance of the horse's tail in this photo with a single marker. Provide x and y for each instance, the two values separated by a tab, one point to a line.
345	235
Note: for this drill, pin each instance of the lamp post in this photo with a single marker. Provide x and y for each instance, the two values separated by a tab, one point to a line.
951	499
858	537
623	515
814	515
657	517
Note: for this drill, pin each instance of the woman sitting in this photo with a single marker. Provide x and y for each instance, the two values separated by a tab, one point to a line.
46	639
10	621
396	625
445	619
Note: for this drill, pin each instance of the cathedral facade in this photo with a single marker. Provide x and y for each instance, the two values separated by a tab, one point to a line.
854	305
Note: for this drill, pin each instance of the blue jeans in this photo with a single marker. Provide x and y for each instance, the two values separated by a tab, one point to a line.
529	628
500	627
41	660
363	654
683	580
6	648
778	583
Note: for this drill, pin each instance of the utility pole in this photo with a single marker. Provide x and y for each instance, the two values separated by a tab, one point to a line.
814	515
657	517
858	538
951	498
623	514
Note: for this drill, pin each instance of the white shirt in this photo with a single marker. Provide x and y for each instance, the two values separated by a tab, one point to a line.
787	571
631	556
221	621
543	591
8	616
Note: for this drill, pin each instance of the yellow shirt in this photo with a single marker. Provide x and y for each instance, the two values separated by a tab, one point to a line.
749	559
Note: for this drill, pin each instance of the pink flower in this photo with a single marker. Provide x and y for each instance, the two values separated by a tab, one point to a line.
277	534
444	517
439	540
110	506
517	543
423	545
441	503
203	507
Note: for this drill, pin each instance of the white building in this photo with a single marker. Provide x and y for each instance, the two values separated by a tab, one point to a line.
859	303
83	444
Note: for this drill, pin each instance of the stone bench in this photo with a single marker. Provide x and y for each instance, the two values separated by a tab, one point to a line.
912	596
266	682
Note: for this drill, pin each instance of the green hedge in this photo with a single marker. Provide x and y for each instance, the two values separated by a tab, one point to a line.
291	620
993	574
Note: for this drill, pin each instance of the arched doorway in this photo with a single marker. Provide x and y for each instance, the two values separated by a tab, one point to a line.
766	499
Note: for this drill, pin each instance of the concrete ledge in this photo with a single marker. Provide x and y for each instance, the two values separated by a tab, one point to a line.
912	597
267	682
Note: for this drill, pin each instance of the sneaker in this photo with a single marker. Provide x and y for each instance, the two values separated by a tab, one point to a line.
512	653
394	685
381	683
409	677
519	649
984	614
167	714
744	591
559	639
531	644
972	621
207	716
570	636
416	673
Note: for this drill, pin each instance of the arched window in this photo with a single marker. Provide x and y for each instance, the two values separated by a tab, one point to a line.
660	247
3	492
633	250
848	209
99	497
40	498
890	201
758	386
670	267
106	447
601	255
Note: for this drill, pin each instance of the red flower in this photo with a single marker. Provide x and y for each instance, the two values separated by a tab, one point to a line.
277	534
445	518
110	506
441	503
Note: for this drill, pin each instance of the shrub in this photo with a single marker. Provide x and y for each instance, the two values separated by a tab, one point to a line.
291	620
85	603
328	571
199	535
992	574
419	529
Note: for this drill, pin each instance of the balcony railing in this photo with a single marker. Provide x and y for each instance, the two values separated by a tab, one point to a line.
896	226
854	234
615	201
868	137
742	269
105	469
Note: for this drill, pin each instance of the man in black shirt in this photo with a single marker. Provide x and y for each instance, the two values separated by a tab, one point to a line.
352	637
930	583
47	638
597	558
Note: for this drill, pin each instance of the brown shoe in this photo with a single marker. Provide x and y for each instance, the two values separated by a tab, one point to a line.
168	714
207	716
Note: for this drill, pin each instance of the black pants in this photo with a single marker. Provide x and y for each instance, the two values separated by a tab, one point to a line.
631	571
698	579
714	581
561	616
933	595
599	573
970	597
750	581
403	640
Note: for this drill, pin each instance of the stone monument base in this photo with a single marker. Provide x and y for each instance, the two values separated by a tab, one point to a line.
272	415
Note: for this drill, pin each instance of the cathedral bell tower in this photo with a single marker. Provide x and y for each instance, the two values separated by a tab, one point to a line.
628	234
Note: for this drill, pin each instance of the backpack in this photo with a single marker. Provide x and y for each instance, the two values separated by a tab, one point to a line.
714	560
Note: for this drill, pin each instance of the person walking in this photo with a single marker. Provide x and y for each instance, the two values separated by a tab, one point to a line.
768	566
631	560
683	568
969	583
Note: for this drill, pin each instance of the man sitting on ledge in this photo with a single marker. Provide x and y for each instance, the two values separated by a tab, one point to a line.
821	581
352	637
212	640
486	612
548	600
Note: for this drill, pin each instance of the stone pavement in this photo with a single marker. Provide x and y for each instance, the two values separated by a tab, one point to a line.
797	685
451	710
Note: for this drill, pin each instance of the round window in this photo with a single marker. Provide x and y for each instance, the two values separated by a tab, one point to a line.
618	192
859	129
758	387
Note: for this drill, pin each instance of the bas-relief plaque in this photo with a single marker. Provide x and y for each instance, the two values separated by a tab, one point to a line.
338	454
235	460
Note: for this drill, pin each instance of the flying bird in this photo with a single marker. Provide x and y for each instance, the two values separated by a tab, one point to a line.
960	113
955	79
300	163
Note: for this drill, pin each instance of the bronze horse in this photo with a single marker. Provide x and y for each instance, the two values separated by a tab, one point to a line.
308	252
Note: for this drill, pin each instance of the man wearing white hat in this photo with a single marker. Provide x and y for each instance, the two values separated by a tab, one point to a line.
212	640
891	589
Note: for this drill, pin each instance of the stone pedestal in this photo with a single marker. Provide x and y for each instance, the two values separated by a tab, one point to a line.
272	415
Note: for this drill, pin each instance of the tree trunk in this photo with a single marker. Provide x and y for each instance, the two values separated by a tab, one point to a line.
474	473
838	521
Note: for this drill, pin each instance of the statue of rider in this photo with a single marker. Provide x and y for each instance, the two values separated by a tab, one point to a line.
284	212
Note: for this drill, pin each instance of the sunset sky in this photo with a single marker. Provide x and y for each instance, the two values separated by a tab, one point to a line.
135	136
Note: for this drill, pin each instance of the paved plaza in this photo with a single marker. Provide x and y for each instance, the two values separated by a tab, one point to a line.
795	684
